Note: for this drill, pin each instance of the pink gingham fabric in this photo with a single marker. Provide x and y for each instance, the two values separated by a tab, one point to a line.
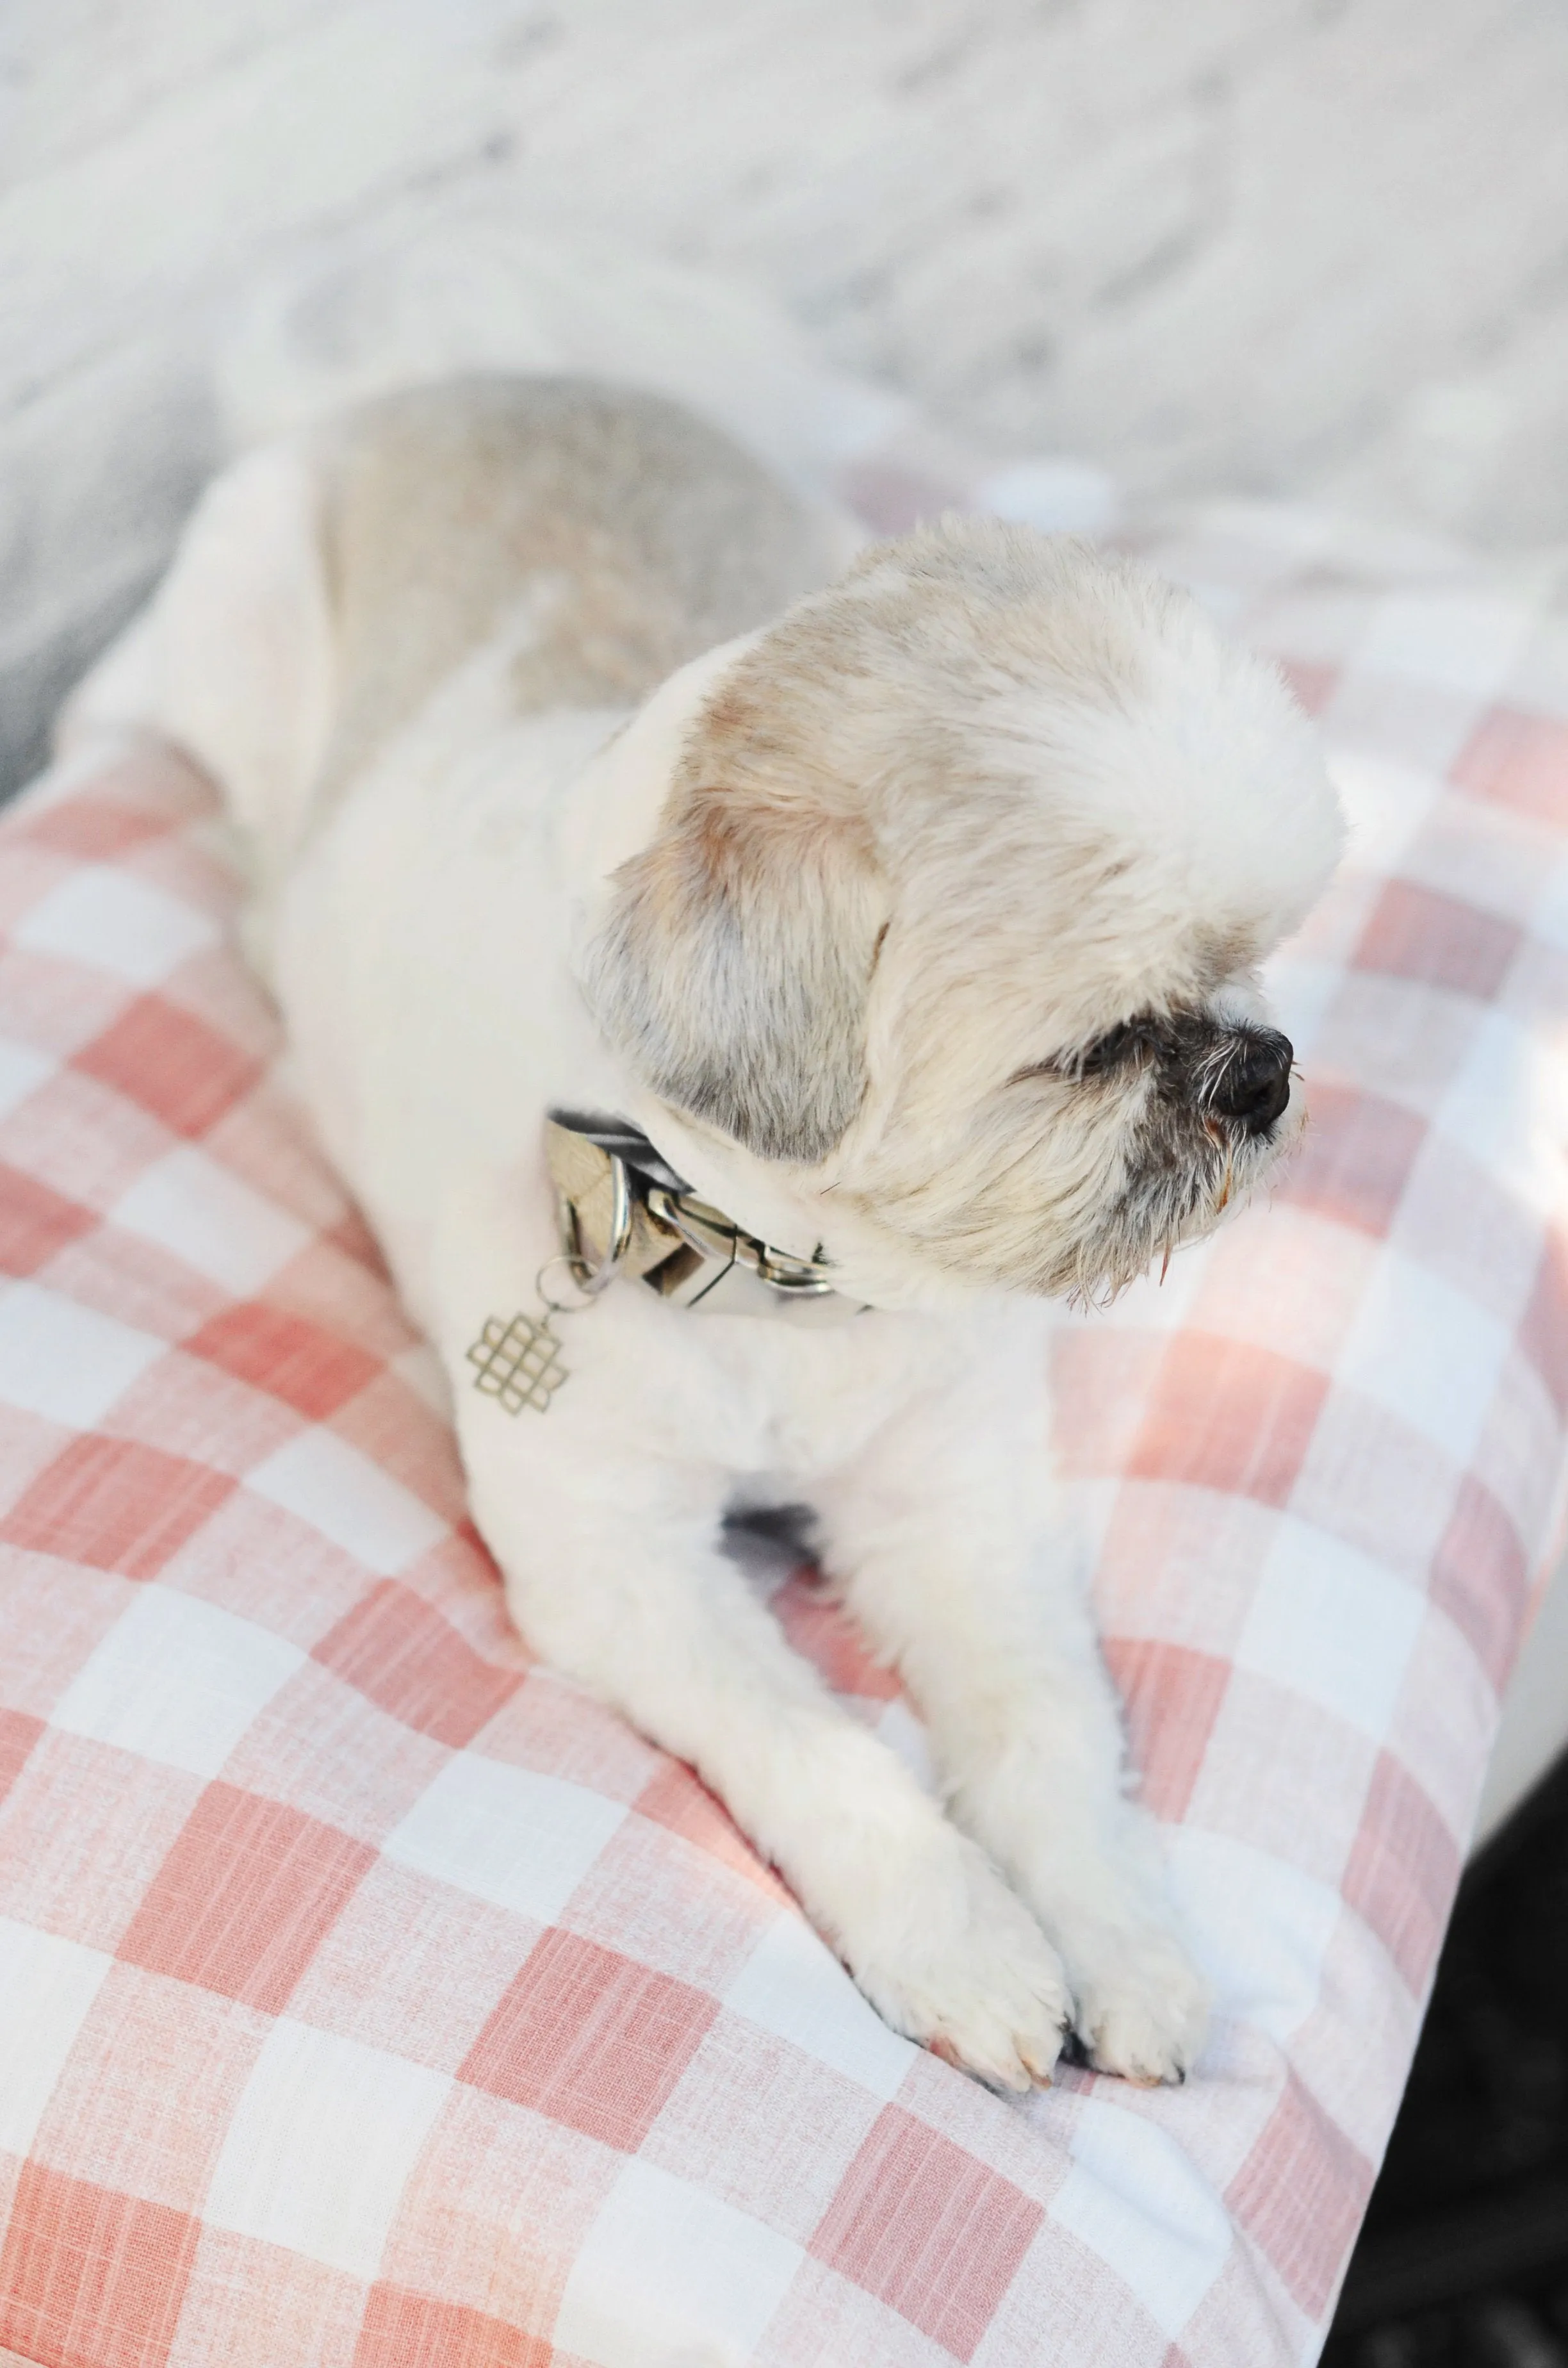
370	1999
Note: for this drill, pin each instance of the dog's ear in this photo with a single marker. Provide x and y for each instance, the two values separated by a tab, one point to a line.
734	969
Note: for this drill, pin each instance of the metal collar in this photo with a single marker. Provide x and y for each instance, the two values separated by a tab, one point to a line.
623	1210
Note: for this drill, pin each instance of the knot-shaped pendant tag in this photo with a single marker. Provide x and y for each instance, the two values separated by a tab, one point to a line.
519	1363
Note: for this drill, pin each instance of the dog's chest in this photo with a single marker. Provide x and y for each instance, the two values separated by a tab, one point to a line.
785	1405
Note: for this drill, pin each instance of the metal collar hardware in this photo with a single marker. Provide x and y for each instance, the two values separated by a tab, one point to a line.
623	1210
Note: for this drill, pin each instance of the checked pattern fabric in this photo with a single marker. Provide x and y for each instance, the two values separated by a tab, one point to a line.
370	1999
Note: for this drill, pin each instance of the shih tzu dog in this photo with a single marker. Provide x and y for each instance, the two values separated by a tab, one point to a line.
740	989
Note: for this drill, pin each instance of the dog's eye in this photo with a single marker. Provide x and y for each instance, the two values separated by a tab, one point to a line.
1120	1043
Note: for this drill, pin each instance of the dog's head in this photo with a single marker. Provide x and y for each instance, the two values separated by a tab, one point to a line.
948	938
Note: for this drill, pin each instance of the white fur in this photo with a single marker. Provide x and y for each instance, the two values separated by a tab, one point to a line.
425	934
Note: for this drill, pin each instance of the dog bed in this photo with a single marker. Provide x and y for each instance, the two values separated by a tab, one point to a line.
371	1997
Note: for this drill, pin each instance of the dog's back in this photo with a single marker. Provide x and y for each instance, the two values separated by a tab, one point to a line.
327	585
631	534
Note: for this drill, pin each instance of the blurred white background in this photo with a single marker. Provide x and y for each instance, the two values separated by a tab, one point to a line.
1313	247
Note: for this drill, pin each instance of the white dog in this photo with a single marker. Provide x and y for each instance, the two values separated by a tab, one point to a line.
894	963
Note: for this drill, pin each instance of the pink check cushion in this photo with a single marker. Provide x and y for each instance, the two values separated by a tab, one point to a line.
369	1997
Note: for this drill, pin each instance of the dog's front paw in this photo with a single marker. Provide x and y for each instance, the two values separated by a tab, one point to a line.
1143	2006
964	1968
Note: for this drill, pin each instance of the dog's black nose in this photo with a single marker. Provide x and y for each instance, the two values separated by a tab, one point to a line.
1256	1083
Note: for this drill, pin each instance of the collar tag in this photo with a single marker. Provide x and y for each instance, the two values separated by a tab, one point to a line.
519	1363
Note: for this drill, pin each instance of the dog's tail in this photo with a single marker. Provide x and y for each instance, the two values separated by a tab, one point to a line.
481	294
